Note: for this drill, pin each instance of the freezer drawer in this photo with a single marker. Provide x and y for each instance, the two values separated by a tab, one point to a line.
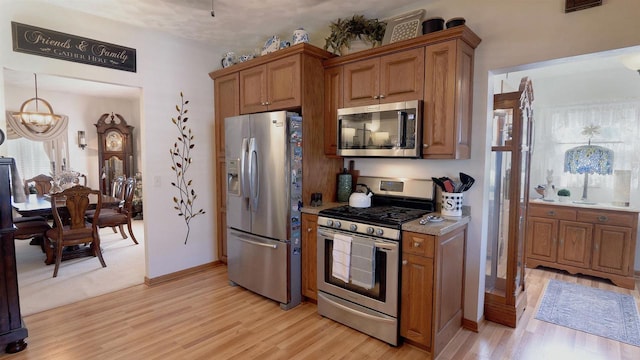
258	264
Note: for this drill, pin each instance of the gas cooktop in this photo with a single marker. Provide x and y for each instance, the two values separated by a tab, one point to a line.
392	216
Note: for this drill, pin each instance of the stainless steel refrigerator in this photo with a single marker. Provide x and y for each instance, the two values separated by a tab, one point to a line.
264	195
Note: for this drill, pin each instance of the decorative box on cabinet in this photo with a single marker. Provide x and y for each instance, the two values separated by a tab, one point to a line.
291	79
12	329
309	256
591	241
432	289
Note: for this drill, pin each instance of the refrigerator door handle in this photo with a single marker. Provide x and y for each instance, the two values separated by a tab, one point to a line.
244	189
254	177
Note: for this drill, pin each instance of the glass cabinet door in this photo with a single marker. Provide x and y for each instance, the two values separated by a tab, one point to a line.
505	298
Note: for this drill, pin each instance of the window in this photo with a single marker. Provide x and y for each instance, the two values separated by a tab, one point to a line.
31	157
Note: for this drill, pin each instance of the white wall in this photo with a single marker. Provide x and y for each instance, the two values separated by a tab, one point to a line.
514	33
166	65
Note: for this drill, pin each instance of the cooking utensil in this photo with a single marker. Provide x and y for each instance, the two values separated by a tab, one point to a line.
439	182
467	180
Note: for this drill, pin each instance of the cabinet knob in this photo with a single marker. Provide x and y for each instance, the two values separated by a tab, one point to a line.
263	103
603	218
308	230
416	244
551	213
375	96
425	145
381	96
596	247
404	262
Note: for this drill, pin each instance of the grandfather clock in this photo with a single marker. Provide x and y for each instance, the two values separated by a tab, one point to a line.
505	299
115	149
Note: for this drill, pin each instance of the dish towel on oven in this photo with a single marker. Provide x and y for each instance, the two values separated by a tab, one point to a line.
341	257
363	264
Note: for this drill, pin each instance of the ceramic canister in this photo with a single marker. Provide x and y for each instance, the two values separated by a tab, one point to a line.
344	186
300	35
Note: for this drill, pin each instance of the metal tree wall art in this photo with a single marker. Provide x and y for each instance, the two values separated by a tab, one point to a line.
181	161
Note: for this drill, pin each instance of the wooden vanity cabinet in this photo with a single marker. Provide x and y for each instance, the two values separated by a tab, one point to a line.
432	288
597	242
384	79
309	256
448	101
271	86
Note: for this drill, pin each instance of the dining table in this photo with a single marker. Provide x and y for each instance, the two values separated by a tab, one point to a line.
40	205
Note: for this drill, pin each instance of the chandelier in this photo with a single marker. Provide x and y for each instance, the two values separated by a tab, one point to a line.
32	118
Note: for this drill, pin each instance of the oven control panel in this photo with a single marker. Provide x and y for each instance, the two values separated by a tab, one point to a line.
360	228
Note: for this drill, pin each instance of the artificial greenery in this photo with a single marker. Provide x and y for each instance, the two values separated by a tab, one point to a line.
564	192
181	161
343	31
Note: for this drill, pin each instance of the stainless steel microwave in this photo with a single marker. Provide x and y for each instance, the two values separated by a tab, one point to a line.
384	130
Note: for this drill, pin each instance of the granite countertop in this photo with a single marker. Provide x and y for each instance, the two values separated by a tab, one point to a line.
449	224
596	206
314	210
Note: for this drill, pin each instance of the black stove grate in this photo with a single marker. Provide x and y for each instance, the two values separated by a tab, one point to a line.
392	216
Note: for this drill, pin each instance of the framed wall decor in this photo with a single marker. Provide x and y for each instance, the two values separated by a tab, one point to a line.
575	5
403	27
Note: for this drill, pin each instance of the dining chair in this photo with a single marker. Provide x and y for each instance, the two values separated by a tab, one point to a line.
31	227
117	189
120	216
41	183
71	228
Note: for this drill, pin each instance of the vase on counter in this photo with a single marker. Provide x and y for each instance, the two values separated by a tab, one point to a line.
344	186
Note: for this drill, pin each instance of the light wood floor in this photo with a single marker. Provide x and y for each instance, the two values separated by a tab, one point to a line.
202	317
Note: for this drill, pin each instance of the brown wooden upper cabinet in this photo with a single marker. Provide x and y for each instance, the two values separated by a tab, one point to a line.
436	68
271	86
390	78
448	89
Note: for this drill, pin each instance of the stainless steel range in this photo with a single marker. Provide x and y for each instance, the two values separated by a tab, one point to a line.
359	255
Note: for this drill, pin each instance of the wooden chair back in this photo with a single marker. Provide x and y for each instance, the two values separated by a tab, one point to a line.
117	188
42	184
123	215
71	228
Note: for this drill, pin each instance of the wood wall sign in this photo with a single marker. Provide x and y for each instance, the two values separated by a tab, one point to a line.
575	5
38	41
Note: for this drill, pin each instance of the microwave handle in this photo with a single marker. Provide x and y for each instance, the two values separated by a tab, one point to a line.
339	133
402	129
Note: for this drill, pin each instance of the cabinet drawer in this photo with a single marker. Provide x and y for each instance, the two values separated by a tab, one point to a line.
418	244
607	217
553	212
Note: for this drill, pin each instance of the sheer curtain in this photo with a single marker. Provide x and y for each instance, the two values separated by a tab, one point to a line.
558	129
37	153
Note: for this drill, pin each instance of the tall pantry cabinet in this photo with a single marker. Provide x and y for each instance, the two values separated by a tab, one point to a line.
288	79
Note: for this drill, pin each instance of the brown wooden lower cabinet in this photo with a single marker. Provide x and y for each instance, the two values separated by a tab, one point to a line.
432	290
590	241
309	256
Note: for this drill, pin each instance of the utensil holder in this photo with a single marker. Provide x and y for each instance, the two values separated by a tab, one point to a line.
451	204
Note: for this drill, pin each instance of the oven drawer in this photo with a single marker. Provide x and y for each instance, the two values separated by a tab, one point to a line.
422	245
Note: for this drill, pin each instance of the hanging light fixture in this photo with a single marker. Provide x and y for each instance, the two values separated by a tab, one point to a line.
31	116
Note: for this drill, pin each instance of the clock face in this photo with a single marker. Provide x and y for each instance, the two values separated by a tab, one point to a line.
114	141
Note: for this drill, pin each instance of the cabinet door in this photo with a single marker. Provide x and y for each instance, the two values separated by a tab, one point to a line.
253	90
332	102
448	99
575	243
541	238
227	103
402	76
361	83
283	83
612	249
309	261
416	299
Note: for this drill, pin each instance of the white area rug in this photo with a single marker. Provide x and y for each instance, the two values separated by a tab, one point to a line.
595	311
80	278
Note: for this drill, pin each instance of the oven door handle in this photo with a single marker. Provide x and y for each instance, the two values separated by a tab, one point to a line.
325	234
385	246
353	311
